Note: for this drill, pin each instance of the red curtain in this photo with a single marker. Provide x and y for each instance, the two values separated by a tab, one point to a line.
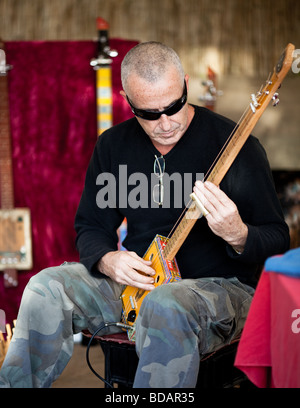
52	99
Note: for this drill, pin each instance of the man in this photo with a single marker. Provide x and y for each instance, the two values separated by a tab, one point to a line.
181	321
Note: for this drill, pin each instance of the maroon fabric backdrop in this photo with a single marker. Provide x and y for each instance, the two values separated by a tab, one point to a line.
53	124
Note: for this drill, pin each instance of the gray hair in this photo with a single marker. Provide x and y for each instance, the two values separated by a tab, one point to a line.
150	61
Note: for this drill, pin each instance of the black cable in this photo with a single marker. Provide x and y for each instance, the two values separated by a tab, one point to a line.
101	327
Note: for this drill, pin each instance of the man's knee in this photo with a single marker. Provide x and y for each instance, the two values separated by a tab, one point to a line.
63	275
48	287
176	295
168	305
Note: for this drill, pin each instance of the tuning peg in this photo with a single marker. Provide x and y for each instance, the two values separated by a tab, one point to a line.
4	68
254	100
275	99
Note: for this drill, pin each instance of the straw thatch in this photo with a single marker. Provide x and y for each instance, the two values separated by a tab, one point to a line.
237	36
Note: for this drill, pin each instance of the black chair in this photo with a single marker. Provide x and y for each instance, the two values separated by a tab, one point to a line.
217	369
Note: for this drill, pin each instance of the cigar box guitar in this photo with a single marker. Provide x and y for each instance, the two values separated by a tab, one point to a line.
162	250
15	225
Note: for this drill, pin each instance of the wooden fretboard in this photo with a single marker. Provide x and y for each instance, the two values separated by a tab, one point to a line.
6	173
231	149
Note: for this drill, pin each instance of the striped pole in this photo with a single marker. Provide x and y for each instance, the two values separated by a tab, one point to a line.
102	65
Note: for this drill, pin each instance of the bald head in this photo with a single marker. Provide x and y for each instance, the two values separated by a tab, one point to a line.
150	61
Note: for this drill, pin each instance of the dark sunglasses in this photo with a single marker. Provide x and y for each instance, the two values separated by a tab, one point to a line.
169	111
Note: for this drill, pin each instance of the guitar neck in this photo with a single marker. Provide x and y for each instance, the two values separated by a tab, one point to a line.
231	149
6	173
216	175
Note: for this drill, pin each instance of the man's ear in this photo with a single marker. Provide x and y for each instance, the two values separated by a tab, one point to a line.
123	94
186	77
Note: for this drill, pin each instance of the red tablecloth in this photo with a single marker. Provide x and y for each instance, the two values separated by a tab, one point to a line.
269	350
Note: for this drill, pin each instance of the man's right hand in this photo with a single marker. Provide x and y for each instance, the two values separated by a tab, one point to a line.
124	267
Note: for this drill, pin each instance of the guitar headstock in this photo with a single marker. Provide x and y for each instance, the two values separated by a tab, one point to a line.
268	92
3	66
2	60
285	61
105	53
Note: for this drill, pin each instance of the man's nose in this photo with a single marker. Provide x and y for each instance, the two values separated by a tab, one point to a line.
165	123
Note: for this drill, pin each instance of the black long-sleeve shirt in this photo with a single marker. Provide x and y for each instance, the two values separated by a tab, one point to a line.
120	174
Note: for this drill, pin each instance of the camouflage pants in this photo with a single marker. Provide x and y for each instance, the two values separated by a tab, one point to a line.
177	323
